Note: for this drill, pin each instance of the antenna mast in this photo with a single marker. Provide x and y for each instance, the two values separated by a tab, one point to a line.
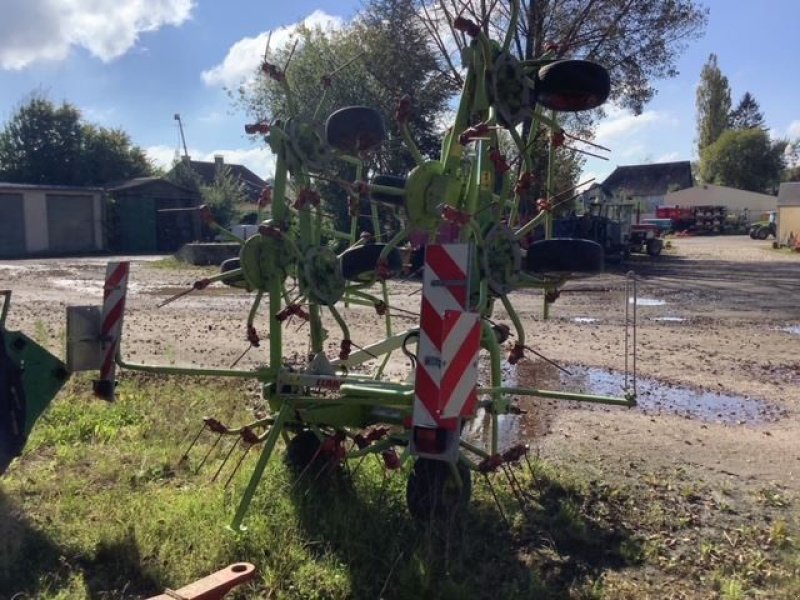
183	137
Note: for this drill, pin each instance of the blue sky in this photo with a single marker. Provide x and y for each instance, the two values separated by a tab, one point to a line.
134	63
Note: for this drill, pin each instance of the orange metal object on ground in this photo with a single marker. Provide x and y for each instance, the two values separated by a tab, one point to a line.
213	587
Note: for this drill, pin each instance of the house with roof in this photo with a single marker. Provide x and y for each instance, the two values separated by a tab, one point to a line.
646	186
207	172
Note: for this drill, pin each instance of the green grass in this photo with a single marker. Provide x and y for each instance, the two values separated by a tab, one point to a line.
101	506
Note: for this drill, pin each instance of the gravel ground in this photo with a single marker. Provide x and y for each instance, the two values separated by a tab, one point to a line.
718	351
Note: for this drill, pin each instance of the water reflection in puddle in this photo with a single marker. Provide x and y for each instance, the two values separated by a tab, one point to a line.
654	397
793	329
584	320
647	302
668	319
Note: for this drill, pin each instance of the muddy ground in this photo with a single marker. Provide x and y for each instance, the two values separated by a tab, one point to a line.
718	352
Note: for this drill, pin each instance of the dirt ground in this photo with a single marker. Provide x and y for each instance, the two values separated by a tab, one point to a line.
718	342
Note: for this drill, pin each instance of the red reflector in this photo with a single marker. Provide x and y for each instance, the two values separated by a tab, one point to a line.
430	440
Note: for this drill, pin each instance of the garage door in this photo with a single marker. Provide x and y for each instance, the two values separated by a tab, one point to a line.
12	225
70	223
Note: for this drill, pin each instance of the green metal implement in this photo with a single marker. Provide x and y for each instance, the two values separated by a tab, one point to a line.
30	377
472	197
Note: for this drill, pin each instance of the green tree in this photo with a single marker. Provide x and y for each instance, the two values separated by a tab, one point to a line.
713	104
44	143
224	196
379	57
747	114
746	159
41	143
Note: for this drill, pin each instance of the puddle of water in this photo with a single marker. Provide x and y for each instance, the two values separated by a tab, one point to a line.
654	398
793	329
584	320
648	302
669	319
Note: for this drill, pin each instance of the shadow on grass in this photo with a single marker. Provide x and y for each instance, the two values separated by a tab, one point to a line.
32	564
555	545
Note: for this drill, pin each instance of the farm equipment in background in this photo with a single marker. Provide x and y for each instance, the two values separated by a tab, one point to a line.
761	230
682	217
467	205
612	226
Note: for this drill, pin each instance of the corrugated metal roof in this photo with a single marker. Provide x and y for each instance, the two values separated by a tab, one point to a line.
789	194
650	180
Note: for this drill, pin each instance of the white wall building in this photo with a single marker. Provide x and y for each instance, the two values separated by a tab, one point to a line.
50	219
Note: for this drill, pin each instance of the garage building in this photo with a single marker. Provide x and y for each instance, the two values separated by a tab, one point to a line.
50	220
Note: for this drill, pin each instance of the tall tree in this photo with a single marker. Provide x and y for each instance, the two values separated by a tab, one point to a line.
713	104
747	114
44	143
382	55
746	159
41	143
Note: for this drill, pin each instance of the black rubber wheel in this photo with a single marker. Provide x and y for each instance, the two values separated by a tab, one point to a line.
394	181
231	265
654	247
303	450
433	492
762	233
564	255
572	85
355	129
358	264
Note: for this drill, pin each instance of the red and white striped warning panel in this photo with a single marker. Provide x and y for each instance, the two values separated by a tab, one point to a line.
114	290
449	340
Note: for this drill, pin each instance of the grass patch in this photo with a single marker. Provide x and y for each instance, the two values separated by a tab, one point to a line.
171	263
101	506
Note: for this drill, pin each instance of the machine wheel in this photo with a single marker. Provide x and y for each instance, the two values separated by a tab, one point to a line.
394	181
654	247
355	129
572	85
231	265
762	233
303	450
564	255
358	264
433	491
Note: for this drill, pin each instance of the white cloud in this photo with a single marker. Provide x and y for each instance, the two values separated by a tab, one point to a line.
244	56
793	130
622	124
259	160
46	30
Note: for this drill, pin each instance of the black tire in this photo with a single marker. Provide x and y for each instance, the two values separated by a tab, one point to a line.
564	255
303	450
232	264
433	492
654	247
355	129
394	181
358	264
762	233
572	85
